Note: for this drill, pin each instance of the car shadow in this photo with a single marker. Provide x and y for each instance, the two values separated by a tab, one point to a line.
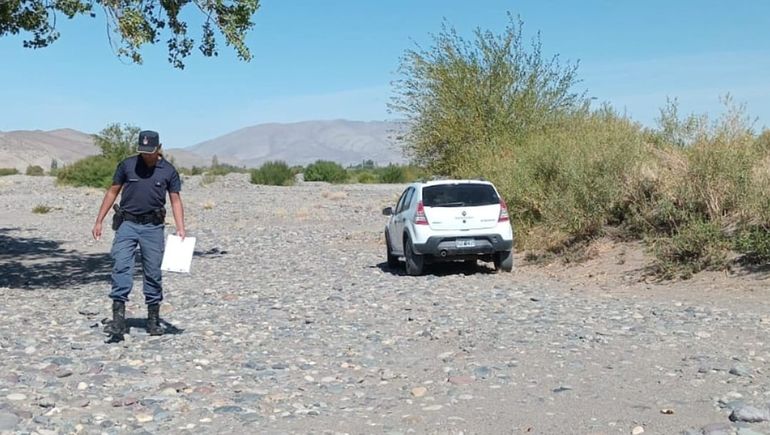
32	263
443	268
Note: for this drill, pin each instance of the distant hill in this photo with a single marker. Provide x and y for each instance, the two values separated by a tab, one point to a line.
19	149
300	143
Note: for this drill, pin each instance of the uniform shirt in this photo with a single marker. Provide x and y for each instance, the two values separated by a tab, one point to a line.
145	187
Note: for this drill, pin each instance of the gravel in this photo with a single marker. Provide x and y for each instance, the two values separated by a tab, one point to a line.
290	321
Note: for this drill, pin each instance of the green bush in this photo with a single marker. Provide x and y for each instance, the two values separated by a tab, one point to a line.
323	170
116	143
461	96
8	171
35	170
224	169
565	184
95	171
41	209
365	176
393	174
275	173
754	243
700	245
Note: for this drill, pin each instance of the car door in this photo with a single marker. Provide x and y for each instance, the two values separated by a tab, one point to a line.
395	228
400	220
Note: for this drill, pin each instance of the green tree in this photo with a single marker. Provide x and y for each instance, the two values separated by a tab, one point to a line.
134	23
117	142
463	95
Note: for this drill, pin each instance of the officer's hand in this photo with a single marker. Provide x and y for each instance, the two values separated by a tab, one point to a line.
180	233
97	231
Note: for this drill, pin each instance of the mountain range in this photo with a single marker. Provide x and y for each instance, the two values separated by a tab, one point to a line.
343	141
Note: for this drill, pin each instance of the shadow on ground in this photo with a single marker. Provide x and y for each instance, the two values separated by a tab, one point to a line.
138	323
443	269
34	263
134	323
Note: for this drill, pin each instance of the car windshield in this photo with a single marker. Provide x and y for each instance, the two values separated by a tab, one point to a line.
459	195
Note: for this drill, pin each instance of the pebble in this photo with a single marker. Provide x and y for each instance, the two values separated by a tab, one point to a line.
144	418
419	391
8	421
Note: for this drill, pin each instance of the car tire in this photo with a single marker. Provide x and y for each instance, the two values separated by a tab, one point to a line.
504	261
392	259
415	263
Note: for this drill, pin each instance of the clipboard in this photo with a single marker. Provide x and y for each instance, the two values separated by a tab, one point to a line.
178	254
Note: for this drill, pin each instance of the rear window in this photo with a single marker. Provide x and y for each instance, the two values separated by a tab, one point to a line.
459	195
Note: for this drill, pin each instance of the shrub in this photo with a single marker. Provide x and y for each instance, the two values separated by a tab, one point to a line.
568	181
275	173
41	209
116	143
95	171
323	170
365	177
393	174
208	178
35	170
700	245
8	171
754	243
225	168
460	96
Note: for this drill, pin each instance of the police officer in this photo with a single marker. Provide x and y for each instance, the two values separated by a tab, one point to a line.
144	180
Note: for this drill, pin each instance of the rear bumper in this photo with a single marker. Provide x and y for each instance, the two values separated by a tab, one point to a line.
440	246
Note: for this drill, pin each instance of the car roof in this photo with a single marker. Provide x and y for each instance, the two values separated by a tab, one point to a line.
453	181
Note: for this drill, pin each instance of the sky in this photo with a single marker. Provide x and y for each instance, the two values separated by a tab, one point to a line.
336	59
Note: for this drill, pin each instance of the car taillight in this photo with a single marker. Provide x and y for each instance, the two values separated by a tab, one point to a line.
503	212
420	218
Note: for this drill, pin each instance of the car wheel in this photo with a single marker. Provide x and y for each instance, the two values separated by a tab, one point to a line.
392	259
504	261
414	262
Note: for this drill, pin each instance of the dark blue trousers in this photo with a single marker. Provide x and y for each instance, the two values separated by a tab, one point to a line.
149	237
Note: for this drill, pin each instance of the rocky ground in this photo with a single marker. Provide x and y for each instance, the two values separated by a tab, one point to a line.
290	322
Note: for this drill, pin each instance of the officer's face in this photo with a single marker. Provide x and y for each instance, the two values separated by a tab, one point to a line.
151	158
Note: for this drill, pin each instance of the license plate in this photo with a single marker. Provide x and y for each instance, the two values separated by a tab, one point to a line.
465	243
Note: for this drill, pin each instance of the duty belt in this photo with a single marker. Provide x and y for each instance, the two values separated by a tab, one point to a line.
152	217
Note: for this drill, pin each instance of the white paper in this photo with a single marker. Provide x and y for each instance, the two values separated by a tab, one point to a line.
178	254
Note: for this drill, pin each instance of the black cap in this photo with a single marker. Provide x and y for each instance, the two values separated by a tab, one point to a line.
149	141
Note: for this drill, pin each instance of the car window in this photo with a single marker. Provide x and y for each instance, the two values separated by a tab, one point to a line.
400	202
459	195
403	203
408	199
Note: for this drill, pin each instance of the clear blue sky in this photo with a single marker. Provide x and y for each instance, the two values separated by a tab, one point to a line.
336	59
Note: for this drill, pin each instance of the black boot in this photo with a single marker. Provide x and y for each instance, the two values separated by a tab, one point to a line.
153	320
117	327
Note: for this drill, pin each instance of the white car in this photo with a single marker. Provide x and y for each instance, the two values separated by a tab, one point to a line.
449	220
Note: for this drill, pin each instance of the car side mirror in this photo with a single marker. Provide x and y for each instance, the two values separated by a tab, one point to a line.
387	211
